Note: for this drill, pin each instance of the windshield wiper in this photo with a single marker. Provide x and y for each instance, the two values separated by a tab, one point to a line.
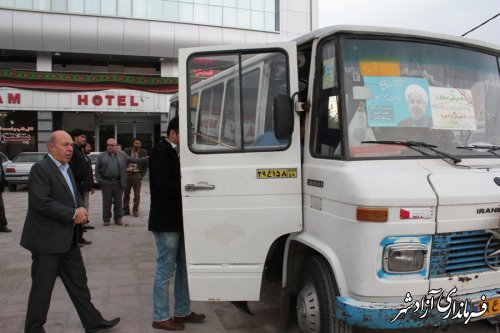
488	148
416	144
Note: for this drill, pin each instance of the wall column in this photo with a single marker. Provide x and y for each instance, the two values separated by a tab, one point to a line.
44	64
169	68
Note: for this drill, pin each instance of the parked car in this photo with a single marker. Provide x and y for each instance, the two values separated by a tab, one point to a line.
17	171
5	159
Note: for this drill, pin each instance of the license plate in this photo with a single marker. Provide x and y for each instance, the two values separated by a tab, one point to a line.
493	307
23	178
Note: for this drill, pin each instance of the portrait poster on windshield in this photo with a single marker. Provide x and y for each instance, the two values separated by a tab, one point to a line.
388	106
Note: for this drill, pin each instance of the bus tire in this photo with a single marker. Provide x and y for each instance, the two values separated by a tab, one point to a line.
316	299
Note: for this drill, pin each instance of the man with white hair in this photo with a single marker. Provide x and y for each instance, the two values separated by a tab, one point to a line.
417	100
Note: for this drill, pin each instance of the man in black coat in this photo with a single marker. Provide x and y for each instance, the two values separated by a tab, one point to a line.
54	209
79	167
165	221
3	219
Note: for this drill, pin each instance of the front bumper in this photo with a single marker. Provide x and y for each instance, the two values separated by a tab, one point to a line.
16	179
412	314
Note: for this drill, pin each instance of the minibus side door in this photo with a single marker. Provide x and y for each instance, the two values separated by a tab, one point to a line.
241	172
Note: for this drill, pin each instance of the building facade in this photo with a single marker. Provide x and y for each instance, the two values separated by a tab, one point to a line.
110	66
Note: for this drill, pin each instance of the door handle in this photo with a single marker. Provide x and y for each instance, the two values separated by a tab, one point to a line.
199	186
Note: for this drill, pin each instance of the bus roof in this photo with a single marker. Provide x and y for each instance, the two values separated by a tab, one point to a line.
394	32
361	29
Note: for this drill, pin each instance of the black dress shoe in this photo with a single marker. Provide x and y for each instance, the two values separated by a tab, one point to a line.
5	229
88	227
104	325
84	241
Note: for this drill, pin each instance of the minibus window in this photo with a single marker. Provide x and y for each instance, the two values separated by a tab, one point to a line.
236	95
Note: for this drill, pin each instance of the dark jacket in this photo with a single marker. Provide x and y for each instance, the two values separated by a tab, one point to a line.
143	168
165	214
79	167
2	178
123	159
88	185
49	226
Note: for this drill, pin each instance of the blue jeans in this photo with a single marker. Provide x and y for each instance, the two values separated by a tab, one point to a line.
171	259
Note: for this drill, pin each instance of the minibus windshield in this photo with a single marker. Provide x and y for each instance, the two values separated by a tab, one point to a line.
442	95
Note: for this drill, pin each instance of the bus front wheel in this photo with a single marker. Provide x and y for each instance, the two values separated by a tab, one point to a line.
316	300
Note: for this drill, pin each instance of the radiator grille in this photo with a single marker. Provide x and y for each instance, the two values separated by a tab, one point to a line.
460	253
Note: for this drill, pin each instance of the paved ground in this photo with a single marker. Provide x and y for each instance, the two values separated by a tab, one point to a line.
120	265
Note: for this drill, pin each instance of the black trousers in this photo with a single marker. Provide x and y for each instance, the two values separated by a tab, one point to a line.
70	268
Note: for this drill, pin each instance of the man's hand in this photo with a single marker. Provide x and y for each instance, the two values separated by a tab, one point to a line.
81	216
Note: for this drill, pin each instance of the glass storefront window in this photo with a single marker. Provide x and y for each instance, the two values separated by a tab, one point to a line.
24	4
41	4
58	5
155	9
244	4
258	20
93	6
108	8
186	12
140	8
231	13
171	10
125	8
229	3
76	6
215	15
244	18
229	18
201	14
258	5
18	132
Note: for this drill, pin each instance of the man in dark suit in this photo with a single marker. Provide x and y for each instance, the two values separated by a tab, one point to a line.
135	173
165	221
3	219
79	168
54	209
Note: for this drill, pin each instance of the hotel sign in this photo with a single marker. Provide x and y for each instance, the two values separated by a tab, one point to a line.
113	100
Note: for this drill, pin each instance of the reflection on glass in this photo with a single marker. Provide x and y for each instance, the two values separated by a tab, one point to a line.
234	111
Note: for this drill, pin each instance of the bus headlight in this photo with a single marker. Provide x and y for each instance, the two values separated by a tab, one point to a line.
404	257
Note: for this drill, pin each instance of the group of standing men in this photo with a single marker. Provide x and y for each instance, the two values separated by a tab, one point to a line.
115	171
56	213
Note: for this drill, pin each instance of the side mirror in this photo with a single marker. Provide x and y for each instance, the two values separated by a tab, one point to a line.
283	117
